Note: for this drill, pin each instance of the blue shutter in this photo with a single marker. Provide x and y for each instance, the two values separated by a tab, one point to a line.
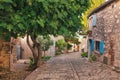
94	20
92	45
101	47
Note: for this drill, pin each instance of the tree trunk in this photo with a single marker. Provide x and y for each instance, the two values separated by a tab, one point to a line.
88	42
74	47
39	62
33	50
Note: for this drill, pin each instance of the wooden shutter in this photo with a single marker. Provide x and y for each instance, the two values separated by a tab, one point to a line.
101	47
92	45
94	20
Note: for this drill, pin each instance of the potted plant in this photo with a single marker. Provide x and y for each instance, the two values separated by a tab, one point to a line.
89	32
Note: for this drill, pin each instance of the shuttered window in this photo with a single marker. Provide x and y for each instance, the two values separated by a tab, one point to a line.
91	45
94	19
97	45
101	48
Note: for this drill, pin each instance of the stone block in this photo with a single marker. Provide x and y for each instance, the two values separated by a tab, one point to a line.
5	62
117	63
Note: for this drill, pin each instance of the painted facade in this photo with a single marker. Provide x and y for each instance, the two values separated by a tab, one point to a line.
104	23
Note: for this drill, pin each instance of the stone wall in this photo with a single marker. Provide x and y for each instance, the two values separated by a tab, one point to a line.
107	29
116	32
5	56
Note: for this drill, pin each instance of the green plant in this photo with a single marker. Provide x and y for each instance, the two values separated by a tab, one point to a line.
45	42
72	39
31	61
92	57
58	53
84	54
84	36
69	46
46	58
89	32
61	44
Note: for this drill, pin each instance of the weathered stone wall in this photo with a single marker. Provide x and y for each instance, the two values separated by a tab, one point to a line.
5	56
107	29
116	32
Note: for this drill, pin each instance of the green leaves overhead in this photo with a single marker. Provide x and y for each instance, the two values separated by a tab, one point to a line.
41	22
41	16
7	1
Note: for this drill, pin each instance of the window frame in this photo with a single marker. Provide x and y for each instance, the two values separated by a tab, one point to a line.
97	45
94	20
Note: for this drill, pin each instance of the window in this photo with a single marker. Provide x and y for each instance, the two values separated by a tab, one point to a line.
90	23
91	44
97	45
94	19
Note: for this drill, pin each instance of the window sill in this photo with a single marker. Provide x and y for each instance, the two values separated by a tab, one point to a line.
97	52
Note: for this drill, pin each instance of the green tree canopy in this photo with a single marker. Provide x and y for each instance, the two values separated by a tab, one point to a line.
40	17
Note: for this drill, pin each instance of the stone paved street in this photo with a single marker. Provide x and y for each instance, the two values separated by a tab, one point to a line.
73	67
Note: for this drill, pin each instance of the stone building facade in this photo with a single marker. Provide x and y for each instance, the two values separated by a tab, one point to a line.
4	56
104	23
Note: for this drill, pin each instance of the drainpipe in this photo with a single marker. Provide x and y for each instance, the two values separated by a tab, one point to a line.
88	44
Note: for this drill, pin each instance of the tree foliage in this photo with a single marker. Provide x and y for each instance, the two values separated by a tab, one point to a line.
61	44
40	17
45	42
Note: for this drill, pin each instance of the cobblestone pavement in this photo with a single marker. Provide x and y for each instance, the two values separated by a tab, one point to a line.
73	67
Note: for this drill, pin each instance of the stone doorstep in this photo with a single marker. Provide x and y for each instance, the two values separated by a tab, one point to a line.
27	61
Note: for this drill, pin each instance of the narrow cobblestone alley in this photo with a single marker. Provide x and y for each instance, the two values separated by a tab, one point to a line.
73	67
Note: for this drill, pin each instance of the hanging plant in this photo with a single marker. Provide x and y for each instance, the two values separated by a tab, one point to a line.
89	32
